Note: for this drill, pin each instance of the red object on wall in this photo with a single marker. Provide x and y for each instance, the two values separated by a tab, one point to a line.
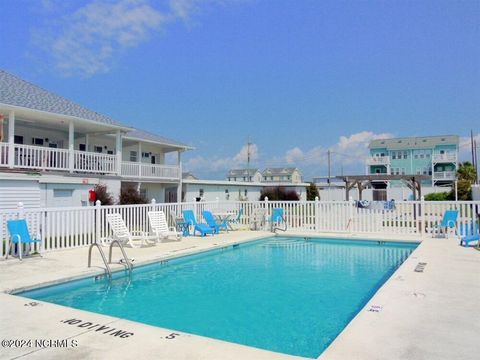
92	195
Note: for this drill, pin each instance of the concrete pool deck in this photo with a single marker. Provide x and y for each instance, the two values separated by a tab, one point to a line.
429	315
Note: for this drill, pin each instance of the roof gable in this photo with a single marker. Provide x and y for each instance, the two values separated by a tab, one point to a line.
18	92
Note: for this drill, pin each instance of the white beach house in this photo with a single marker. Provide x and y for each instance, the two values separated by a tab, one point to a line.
53	151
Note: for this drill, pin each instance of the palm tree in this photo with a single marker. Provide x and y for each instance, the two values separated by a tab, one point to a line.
466	176
467	172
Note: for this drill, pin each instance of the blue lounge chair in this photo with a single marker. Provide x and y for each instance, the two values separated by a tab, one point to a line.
449	221
210	219
19	235
469	233
277	219
203	229
236	221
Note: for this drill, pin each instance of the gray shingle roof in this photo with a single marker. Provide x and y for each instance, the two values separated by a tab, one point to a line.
18	92
143	135
279	171
421	142
241	172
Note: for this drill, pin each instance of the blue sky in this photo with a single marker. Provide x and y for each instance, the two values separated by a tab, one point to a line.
294	77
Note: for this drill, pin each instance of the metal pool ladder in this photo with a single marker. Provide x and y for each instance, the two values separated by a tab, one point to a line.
107	267
128	264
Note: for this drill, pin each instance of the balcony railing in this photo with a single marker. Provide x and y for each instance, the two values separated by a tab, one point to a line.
37	157
444	158
378	160
44	158
95	162
152	171
444	175
3	154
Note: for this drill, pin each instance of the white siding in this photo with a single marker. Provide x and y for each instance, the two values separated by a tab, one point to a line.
15	191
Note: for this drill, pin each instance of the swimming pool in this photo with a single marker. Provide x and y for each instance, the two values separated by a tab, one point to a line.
290	295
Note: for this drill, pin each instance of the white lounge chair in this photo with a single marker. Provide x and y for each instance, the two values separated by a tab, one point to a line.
158	223
121	232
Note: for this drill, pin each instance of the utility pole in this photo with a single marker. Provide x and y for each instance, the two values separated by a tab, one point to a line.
476	161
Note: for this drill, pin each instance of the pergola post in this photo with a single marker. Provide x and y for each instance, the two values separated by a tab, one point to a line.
11	139
71	146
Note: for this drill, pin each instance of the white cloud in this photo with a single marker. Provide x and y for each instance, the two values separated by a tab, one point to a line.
217	166
348	153
294	155
242	156
88	39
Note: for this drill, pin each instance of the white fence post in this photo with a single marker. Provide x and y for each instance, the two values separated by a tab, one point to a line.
317	214
423	227
351	211
98	206
20	211
195	207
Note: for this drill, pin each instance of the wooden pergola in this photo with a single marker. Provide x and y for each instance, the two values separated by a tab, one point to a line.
414	182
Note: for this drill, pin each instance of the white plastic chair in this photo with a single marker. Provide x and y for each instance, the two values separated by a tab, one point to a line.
121	232
158	223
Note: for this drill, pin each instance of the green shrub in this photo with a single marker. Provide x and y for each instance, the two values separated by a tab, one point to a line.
441	196
103	195
312	192
129	195
279	193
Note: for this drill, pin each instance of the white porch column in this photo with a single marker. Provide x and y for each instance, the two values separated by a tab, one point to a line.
87	141
118	146
71	146
139	159
11	139
179	186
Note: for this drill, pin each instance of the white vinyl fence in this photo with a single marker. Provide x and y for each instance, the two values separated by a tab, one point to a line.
63	228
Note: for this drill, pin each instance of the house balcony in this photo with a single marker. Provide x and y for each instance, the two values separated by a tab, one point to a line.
53	159
444	158
139	170
45	158
444	175
378	160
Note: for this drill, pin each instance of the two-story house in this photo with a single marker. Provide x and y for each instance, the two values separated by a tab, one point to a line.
279	175
53	151
436	156
246	175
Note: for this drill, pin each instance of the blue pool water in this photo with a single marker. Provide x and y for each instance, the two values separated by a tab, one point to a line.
289	295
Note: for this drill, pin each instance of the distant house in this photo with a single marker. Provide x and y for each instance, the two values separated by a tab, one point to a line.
188	176
282	175
224	190
436	156
246	175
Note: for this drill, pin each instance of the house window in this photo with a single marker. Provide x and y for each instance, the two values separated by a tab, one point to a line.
200	192
18	139
227	194
37	141
98	149
145	155
110	152
394	155
133	156
405	154
82	147
245	192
